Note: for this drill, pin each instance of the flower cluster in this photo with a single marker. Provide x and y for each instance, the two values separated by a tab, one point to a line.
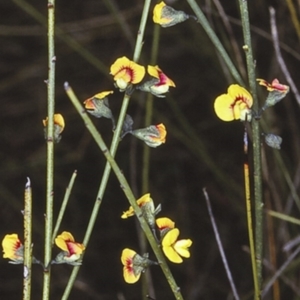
126	74
237	103
173	248
71	253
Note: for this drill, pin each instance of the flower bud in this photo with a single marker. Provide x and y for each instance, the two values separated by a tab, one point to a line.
98	106
153	136
167	16
59	125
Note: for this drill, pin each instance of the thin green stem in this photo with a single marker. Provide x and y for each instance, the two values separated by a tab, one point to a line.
27	241
149	113
50	148
127	191
215	40
147	152
250	228
64	205
256	141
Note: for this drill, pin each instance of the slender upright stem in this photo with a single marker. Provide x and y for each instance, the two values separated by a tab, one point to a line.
256	141
149	113
50	148
27	241
249	216
64	205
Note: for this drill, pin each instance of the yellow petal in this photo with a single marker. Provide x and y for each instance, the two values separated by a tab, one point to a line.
127	71
153	71
172	255
129	275
128	213
181	247
10	244
118	65
171	237
61	240
144	199
237	92
58	119
127	256
223	108
163	223
157	14
103	94
156	72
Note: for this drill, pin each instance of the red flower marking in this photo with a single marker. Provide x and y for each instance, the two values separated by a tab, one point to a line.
128	71
162	79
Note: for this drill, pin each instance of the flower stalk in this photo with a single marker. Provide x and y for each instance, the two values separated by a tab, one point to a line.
27	214
50	147
257	169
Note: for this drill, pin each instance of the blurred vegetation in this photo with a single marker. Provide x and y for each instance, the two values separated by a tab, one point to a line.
201	151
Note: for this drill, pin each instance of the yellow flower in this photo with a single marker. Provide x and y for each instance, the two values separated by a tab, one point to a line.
58	120
13	248
174	249
158	86
72	250
149	211
126	72
134	265
144	200
130	273
167	16
59	125
153	136
234	105
164	223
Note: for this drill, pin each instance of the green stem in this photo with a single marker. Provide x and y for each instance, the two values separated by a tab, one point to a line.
215	40
256	142
27	241
250	228
64	205
50	148
127	191
149	113
147	152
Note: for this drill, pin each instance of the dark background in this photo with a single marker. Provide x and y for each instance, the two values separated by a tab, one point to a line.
201	151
